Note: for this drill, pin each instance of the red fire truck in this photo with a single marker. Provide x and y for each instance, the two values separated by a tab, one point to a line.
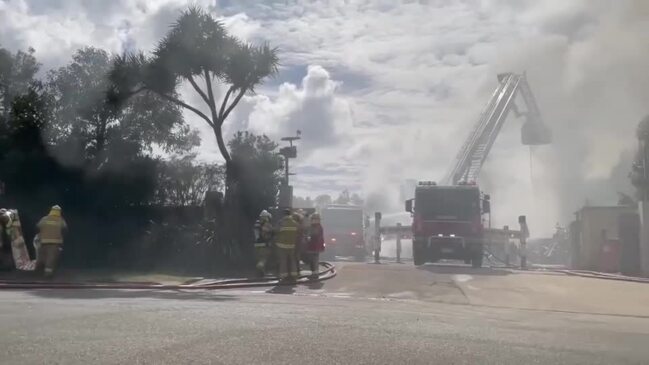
343	230
447	222
447	219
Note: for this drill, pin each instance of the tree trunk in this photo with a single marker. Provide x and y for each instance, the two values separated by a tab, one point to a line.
238	228
100	141
6	104
222	148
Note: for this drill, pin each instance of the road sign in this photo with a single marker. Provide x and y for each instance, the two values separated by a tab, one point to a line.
288	152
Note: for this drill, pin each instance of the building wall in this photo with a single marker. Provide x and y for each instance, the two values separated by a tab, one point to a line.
593	220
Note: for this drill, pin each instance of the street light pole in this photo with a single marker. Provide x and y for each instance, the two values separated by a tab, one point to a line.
286	191
286	173
644	207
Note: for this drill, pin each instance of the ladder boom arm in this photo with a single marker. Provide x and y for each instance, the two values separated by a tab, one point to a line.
476	147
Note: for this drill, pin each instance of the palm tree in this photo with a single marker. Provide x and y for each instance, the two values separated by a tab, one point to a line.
197	49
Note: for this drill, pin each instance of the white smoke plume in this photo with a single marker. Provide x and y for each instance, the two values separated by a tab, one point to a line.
401	83
587	65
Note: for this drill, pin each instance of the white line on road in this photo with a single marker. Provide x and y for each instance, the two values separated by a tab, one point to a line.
461	278
403	295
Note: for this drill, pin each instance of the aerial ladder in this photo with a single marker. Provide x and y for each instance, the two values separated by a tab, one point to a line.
475	149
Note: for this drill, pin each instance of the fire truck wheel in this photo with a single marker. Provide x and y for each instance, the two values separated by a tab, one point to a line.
418	260
476	262
467	261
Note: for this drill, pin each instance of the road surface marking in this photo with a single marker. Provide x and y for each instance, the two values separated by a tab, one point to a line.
403	295
461	278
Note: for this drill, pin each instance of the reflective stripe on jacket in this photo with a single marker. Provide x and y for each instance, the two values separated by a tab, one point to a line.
288	232
51	229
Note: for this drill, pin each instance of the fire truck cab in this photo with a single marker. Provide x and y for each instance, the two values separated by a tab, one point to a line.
447	222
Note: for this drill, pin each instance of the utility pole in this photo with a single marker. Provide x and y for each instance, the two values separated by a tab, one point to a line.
286	190
643	208
640	179
525	234
508	247
377	237
399	242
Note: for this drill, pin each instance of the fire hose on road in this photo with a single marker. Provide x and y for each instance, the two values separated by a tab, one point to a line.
603	275
572	272
328	272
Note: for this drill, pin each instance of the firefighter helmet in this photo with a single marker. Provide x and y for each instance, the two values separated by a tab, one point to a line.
297	217
55	211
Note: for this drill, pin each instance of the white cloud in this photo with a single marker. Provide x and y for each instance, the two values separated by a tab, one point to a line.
56	28
241	25
313	108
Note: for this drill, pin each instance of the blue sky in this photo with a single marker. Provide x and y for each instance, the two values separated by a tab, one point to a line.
385	90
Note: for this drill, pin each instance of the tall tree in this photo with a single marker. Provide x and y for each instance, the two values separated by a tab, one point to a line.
96	132
182	182
197	49
356	200
259	169
17	72
30	114
344	197
322	201
22	140
299	202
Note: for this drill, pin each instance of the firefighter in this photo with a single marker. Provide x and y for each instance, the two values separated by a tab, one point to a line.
299	218
6	260
263	236
315	244
51	228
4	220
286	241
306	227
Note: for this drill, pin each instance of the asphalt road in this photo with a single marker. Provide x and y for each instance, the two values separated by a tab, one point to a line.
370	314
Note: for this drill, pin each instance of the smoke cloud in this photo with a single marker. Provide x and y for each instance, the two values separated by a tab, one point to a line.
584	63
587	68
